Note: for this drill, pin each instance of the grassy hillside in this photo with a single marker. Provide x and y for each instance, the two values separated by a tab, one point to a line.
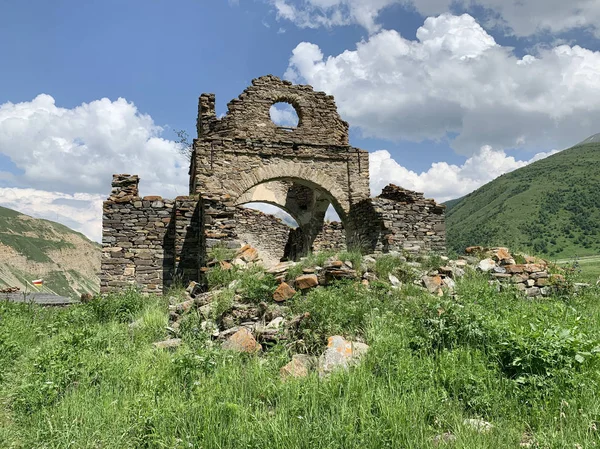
550	207
32	248
86	377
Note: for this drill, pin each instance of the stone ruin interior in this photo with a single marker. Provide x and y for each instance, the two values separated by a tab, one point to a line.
244	157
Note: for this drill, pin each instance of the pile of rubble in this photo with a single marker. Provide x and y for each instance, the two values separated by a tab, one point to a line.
531	276
250	327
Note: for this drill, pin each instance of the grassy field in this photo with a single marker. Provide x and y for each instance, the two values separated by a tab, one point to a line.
587	267
550	207
82	377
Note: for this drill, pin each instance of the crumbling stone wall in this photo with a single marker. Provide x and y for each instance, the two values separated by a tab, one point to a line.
152	242
267	233
400	220
148	242
331	238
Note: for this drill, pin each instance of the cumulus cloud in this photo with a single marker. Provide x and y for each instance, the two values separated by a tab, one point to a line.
81	211
65	158
445	181
78	149
284	114
455	80
522	18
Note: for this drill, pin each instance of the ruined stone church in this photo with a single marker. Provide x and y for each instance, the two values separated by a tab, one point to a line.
244	157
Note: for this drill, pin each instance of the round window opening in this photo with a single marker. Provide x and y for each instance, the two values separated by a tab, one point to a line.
284	116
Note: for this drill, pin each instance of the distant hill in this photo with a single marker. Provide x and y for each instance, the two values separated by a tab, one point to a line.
551	207
592	139
32	248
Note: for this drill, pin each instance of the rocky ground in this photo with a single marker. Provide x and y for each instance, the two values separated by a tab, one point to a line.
247	326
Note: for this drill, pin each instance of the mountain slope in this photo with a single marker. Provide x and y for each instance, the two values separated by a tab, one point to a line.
32	248
551	206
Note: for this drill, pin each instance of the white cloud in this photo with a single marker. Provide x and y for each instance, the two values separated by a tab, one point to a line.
78	149
522	18
75	152
456	80
444	181
81	211
284	114
328	13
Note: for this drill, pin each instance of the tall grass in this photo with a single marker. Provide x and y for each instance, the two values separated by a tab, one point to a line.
83	378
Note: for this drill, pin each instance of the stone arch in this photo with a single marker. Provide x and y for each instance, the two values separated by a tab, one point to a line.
300	173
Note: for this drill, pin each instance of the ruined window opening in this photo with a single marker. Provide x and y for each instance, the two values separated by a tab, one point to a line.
285	116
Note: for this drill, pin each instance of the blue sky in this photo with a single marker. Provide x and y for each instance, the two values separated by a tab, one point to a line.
444	101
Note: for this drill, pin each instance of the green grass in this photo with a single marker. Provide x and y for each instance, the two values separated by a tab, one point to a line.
82	378
588	268
550	207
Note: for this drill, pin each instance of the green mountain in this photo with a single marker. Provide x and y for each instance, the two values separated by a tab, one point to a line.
549	207
32	248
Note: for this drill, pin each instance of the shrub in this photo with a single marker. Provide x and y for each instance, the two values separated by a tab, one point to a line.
255	285
120	307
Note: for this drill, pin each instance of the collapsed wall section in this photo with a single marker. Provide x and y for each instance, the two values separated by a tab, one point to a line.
400	220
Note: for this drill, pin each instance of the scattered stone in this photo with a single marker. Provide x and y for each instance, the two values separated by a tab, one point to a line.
247	253
306	281
446	271
283	292
210	327
276	323
394	280
368	260
242	341
449	283
340	354
446	437
226	266
281	268
182	307
300	366
478	425
168	344
433	284
486	265
502	255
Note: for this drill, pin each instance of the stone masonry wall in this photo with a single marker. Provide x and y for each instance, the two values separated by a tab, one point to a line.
399	220
267	233
331	238
148	242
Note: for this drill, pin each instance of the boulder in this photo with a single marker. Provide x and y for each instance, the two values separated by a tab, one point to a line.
486	265
306	281
247	253
242	341
432	283
283	292
340	354
502	254
300	366
281	268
